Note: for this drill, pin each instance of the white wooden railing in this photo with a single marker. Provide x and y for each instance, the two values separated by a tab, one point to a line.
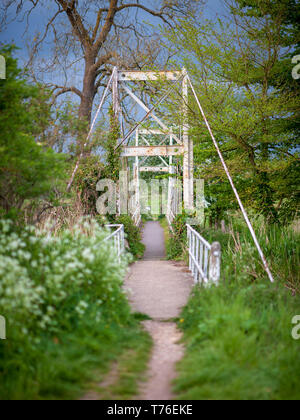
204	258
118	238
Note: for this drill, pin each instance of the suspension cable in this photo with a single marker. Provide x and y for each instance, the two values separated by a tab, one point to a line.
265	263
91	130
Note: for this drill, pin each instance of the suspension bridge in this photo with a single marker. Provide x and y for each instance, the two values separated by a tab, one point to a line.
156	287
151	137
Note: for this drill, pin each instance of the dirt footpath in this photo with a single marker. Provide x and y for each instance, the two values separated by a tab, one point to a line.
159	289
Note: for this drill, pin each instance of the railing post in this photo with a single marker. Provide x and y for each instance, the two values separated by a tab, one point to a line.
190	246
215	264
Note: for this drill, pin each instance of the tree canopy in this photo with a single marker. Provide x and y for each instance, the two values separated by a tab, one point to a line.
29	171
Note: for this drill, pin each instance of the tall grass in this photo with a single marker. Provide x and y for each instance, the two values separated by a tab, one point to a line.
239	335
240	259
239	344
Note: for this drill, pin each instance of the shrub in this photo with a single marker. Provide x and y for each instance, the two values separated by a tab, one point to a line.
29	171
65	308
133	236
178	238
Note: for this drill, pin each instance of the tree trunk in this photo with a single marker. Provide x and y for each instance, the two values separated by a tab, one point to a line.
88	91
86	104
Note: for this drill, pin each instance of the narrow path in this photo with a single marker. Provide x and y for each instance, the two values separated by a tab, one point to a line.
154	240
159	289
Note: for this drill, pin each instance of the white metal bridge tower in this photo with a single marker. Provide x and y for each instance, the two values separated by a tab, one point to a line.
170	144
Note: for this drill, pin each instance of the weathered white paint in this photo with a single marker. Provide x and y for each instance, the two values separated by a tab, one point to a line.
148	75
188	157
131	151
215	264
2	328
154	169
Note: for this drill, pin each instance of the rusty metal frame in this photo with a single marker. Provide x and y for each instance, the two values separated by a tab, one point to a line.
134	76
183	148
142	151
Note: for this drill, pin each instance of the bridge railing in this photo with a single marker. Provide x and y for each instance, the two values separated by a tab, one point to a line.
136	216
204	258
118	238
174	201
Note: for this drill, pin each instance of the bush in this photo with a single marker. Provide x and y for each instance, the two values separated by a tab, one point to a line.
65	308
29	171
133	236
178	238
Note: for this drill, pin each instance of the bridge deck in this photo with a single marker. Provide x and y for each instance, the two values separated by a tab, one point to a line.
159	289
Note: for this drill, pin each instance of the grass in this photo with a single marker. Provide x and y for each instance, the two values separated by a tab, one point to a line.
64	367
239	345
164	224
130	370
238	336
68	318
174	248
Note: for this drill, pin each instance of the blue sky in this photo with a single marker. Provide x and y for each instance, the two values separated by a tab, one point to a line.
16	33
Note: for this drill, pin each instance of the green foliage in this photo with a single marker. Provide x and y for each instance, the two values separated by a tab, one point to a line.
90	171
178	237
133	235
233	63
65	126
112	156
240	259
239	344
28	171
238	336
66	311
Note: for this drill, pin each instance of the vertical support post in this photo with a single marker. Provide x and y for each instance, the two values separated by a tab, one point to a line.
188	157
115	94
171	191
215	264
2	328
137	178
124	161
190	246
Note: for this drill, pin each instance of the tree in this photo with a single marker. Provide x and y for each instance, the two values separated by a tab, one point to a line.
98	32
232	63
287	14
29	172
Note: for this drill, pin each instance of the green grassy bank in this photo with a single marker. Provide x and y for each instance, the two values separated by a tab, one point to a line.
238	336
68	319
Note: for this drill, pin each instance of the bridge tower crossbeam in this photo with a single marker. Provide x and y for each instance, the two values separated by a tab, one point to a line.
169	147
